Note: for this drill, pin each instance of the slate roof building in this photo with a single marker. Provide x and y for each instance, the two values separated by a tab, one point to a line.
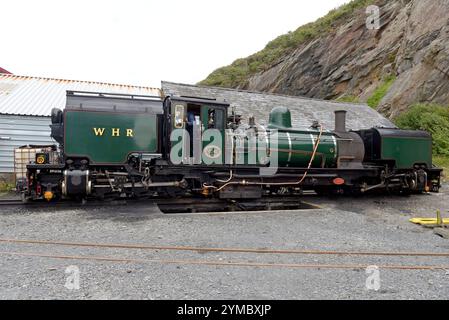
304	110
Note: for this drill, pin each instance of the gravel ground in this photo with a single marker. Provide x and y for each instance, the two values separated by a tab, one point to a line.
368	223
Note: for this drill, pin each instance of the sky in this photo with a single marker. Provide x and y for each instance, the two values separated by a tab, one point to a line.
141	42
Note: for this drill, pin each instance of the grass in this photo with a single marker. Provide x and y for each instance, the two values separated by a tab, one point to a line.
432	118
349	98
380	92
6	187
442	162
240	70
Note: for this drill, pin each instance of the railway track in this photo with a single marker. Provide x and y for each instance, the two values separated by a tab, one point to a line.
10	202
63	203
181	205
229	263
192	205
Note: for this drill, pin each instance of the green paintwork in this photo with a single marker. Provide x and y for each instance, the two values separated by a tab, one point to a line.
216	154
407	151
80	138
204	116
280	118
301	149
220	144
295	147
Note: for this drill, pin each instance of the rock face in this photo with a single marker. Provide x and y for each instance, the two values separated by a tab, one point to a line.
412	45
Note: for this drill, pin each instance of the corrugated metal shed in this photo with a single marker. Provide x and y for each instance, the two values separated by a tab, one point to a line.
304	110
17	131
26	103
21	95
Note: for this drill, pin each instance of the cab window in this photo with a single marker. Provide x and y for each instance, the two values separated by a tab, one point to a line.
179	116
215	119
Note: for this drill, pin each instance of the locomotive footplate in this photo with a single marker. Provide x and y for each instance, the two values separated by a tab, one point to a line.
246	182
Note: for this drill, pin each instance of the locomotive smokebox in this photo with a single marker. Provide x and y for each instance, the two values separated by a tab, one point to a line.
340	121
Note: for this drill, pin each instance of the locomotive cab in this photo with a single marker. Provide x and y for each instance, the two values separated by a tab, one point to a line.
195	130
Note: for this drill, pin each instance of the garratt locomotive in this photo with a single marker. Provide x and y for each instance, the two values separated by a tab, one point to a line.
138	146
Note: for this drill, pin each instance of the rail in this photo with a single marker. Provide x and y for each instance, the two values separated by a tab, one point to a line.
228	263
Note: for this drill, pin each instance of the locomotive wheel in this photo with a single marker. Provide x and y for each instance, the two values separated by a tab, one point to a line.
171	192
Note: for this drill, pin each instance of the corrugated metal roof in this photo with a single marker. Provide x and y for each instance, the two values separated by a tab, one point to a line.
22	95
304	110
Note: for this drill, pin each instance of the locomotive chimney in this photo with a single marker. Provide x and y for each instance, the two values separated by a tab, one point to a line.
340	121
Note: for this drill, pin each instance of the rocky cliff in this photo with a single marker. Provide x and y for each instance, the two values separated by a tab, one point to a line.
403	62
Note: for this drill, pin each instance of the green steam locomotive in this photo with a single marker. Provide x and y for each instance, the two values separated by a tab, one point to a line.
120	146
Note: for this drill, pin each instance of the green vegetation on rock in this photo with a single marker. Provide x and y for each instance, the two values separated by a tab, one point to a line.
240	70
442	162
350	99
431	118
380	92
